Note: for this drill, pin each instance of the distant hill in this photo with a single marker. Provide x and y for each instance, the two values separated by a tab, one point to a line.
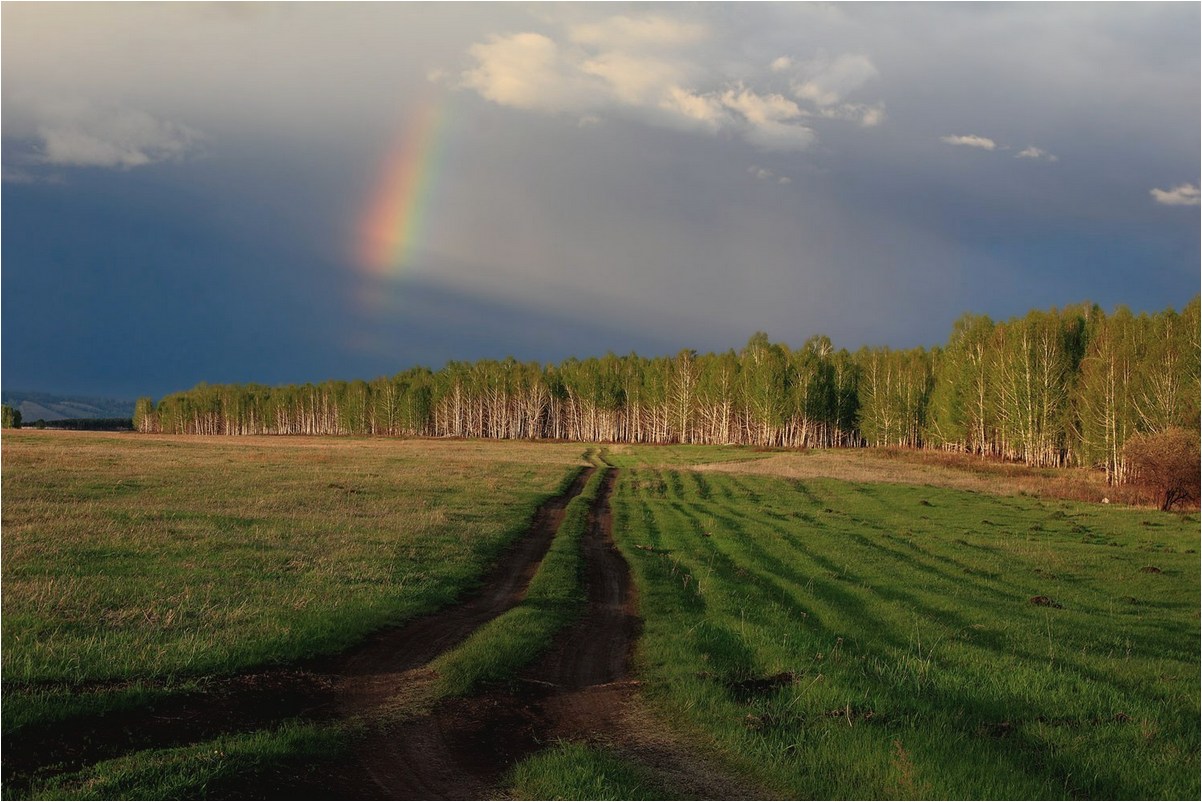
49	407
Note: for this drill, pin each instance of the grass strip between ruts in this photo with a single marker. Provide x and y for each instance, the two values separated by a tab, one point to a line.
578	771
554	600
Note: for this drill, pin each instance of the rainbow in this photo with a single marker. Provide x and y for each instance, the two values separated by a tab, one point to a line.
392	223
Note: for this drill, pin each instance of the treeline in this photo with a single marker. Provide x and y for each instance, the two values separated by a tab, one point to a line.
1060	387
88	424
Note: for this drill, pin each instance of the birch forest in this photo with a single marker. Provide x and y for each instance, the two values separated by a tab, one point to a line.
1053	388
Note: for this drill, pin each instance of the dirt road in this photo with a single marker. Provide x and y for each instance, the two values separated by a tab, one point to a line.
580	690
461	749
353	682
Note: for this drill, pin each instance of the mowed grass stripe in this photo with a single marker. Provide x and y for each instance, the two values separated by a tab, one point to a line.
1054	562
923	642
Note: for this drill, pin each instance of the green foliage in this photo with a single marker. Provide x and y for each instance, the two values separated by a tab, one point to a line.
145	418
11	417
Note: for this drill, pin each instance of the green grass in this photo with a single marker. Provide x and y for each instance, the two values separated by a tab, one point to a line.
555	598
576	771
134	558
857	640
829	639
224	768
134	568
677	456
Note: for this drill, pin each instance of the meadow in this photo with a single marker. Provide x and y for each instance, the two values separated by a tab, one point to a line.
811	637
134	566
855	639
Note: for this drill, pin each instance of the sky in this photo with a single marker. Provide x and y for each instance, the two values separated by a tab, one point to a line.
279	193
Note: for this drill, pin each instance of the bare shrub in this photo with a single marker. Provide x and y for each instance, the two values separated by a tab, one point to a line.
1167	462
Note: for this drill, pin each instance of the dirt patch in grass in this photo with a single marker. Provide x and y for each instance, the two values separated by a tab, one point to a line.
238	704
748	689
371	673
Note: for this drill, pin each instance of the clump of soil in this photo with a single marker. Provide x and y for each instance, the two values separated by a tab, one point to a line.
760	686
1044	601
998	729
851	713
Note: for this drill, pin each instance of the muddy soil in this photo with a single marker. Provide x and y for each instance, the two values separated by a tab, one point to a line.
461	749
581	690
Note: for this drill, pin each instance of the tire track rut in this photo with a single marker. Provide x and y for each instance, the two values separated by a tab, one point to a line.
580	690
354	682
462	748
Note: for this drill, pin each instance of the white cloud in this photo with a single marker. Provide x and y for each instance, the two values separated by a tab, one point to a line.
633	32
760	109
1182	195
696	108
971	141
824	84
985	143
77	134
635	80
765	174
1038	154
767	118
873	116
827	83
525	70
602	69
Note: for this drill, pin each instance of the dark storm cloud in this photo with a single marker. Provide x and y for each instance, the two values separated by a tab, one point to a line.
184	183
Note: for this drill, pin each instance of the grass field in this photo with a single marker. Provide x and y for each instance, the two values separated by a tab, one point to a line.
820	638
130	562
865	640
